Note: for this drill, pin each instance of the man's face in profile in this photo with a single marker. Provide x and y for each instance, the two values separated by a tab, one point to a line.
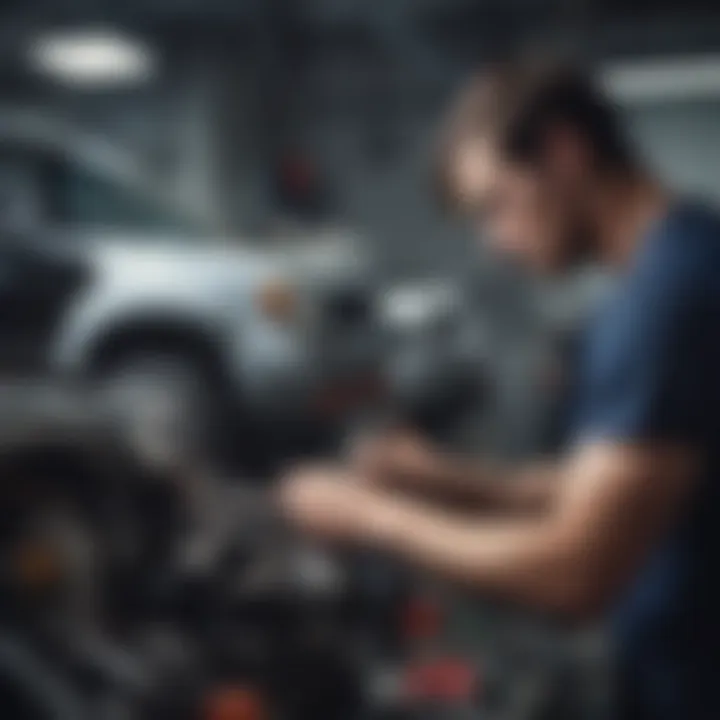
534	213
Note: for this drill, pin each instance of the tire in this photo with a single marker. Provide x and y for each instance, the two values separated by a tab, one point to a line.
168	405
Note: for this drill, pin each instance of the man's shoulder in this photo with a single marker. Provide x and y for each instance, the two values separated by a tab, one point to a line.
675	276
681	256
689	233
694	216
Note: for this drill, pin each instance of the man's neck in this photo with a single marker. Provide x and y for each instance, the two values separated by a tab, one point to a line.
626	209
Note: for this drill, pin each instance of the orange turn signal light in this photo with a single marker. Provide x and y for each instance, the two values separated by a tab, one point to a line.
37	566
278	301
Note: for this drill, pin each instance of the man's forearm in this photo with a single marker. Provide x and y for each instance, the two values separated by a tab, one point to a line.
615	503
525	561
490	486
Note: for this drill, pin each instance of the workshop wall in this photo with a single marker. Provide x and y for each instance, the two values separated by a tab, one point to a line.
198	138
388	199
683	141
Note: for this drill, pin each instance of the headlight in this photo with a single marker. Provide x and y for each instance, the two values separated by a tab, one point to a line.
279	301
419	305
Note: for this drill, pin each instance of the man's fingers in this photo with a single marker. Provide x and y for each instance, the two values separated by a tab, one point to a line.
324	502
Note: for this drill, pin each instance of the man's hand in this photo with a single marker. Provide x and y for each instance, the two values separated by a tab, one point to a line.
327	502
404	460
396	457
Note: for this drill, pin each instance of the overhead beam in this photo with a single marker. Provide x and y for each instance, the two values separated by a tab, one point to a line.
653	80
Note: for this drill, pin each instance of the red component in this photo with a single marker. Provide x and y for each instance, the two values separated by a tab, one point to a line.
298	174
446	679
234	703
350	394
422	619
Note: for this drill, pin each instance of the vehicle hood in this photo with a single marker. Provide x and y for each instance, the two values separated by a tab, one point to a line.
309	262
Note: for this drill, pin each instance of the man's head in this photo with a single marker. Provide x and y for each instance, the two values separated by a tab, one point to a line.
525	150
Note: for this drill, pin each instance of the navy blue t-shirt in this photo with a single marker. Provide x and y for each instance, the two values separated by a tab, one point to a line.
651	372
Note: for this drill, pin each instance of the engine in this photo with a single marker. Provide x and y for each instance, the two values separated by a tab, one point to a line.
159	594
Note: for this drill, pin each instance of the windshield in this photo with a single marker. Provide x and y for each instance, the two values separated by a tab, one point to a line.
83	197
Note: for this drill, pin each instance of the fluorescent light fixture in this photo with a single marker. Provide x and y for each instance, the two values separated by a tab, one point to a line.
682	78
92	57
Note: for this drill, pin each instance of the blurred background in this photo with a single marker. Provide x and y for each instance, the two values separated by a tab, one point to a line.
219	251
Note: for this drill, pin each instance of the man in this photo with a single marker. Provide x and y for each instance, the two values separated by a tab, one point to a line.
628	520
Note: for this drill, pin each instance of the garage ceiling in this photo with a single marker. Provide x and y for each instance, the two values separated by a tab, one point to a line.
344	10
423	30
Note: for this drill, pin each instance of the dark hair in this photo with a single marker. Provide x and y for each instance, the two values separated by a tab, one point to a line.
514	104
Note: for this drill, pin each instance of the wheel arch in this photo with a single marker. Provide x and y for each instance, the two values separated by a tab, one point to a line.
162	334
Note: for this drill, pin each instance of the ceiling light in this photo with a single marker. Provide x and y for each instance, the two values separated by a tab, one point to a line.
92	58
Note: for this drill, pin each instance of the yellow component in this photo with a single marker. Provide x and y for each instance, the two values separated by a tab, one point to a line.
38	566
279	301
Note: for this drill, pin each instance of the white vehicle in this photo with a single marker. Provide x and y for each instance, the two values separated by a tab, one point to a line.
101	279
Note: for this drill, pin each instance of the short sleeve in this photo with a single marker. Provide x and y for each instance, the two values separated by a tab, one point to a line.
650	370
